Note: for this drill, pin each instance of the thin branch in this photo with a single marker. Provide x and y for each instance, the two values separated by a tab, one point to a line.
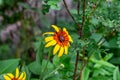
78	7
83	20
76	63
83	17
69	12
83	62
80	33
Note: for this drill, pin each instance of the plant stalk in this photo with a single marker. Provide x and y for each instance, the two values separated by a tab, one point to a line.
46	65
81	29
69	12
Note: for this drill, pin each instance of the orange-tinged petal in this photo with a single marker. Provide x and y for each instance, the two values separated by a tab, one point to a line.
17	73
68	44
47	39
6	77
56	28
66	49
51	43
61	52
57	47
70	38
48	33
10	75
64	29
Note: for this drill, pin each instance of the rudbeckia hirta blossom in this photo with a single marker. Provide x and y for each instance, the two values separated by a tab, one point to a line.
60	39
10	76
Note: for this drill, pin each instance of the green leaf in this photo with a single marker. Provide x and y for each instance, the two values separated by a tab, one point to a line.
1	77
103	63
116	74
35	68
25	68
34	79
45	8
56	60
49	66
115	60
97	36
94	21
53	4
85	74
1	2
8	65
108	56
39	49
100	78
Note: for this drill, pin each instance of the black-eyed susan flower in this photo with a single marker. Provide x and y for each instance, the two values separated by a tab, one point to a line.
10	76
60	39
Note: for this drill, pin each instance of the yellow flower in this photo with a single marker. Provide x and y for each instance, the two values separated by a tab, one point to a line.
60	39
10	76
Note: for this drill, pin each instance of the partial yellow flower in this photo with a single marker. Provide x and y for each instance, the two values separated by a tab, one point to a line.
60	39
10	76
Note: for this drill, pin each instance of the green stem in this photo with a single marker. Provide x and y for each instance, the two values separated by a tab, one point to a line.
46	64
52	72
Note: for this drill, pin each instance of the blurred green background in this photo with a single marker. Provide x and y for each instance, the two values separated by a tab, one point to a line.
22	23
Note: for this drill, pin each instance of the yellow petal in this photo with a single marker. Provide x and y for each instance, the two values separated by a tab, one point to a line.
10	75
61	52
56	28
21	76
57	47
47	39
66	49
51	43
48	33
70	39
64	29
17	73
68	44
24	78
6	77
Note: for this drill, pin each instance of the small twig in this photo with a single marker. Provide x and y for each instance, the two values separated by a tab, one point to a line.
77	56
78	7
83	62
83	17
69	12
76	63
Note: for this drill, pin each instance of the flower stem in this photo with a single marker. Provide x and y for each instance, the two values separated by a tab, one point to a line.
46	64
52	72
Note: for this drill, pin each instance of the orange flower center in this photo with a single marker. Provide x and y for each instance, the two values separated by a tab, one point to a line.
61	38
14	79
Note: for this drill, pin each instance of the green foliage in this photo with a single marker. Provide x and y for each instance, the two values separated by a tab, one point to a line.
39	50
97	44
8	65
50	4
35	68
